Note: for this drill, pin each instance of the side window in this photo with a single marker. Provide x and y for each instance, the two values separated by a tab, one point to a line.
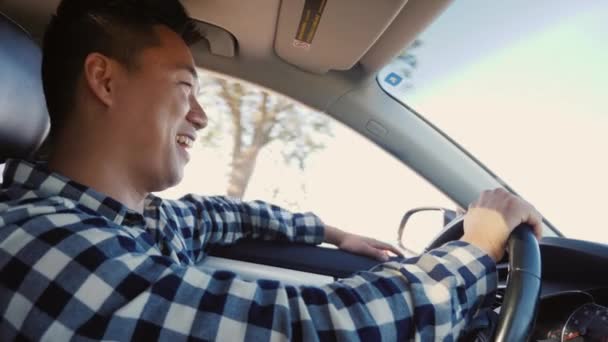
260	145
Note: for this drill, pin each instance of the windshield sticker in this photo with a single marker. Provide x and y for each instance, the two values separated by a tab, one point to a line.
393	79
309	22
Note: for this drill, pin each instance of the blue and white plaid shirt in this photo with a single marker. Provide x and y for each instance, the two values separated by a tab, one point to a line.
75	264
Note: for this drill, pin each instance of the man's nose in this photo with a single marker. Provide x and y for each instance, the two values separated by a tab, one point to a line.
196	116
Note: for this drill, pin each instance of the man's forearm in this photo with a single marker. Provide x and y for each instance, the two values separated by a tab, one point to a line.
222	220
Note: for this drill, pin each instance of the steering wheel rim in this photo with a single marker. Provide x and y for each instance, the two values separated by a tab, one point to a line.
520	303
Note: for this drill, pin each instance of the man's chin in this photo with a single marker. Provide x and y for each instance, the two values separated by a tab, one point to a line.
175	180
169	181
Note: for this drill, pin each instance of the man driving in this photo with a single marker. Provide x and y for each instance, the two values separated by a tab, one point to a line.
87	252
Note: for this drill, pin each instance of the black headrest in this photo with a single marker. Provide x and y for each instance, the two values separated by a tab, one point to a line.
24	120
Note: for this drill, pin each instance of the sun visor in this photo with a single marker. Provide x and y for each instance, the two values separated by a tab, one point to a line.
322	35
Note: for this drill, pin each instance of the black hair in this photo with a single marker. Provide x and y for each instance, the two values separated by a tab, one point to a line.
118	29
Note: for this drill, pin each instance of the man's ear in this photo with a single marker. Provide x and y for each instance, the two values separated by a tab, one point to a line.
100	75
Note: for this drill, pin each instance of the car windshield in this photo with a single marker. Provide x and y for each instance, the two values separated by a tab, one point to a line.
521	86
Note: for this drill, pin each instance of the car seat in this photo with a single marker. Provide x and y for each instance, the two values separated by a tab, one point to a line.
24	120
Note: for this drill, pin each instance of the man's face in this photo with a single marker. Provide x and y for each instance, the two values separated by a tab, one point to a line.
158	114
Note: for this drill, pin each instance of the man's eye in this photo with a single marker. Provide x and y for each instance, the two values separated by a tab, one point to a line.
187	84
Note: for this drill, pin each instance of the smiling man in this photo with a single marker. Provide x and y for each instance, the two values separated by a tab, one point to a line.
87	252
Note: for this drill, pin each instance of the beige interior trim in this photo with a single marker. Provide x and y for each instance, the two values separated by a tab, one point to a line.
350	32
346	30
249	271
252	23
221	42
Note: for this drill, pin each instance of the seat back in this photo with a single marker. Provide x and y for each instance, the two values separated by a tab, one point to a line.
24	120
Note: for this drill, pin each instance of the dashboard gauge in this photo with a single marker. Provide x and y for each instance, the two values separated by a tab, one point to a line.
587	323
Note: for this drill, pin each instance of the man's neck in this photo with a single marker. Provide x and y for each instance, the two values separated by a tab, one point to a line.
109	177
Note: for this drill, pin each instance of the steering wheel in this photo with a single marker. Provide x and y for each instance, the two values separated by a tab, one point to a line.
520	303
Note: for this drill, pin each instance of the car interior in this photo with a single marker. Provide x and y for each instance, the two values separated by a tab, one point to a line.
331	66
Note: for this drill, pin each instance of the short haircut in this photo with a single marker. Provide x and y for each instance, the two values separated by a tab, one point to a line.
119	29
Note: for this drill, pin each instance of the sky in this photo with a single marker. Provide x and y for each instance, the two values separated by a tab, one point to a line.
530	106
471	31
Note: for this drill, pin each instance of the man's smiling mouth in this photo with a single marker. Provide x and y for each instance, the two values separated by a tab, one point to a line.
185	141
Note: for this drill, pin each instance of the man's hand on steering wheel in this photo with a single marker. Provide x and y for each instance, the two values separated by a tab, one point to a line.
492	217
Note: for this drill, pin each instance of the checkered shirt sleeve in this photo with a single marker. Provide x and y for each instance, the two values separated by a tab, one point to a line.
224	220
66	276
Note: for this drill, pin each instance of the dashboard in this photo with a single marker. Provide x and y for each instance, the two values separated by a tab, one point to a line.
573	316
574	296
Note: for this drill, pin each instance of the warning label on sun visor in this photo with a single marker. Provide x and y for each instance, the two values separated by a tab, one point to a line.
311	16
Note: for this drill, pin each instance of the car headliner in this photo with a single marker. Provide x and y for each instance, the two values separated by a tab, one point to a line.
347	54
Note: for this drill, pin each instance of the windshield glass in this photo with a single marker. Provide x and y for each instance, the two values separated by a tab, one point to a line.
260	145
521	85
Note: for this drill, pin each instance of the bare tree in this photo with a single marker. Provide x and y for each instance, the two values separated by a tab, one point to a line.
254	118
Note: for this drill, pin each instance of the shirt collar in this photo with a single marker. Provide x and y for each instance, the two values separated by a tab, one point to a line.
37	177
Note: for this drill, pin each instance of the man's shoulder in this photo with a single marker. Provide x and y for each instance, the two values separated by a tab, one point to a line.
39	215
56	221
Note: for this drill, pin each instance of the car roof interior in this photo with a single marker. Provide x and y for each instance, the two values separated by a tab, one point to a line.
336	73
353	40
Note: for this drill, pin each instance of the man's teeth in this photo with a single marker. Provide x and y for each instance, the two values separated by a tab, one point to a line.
184	140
